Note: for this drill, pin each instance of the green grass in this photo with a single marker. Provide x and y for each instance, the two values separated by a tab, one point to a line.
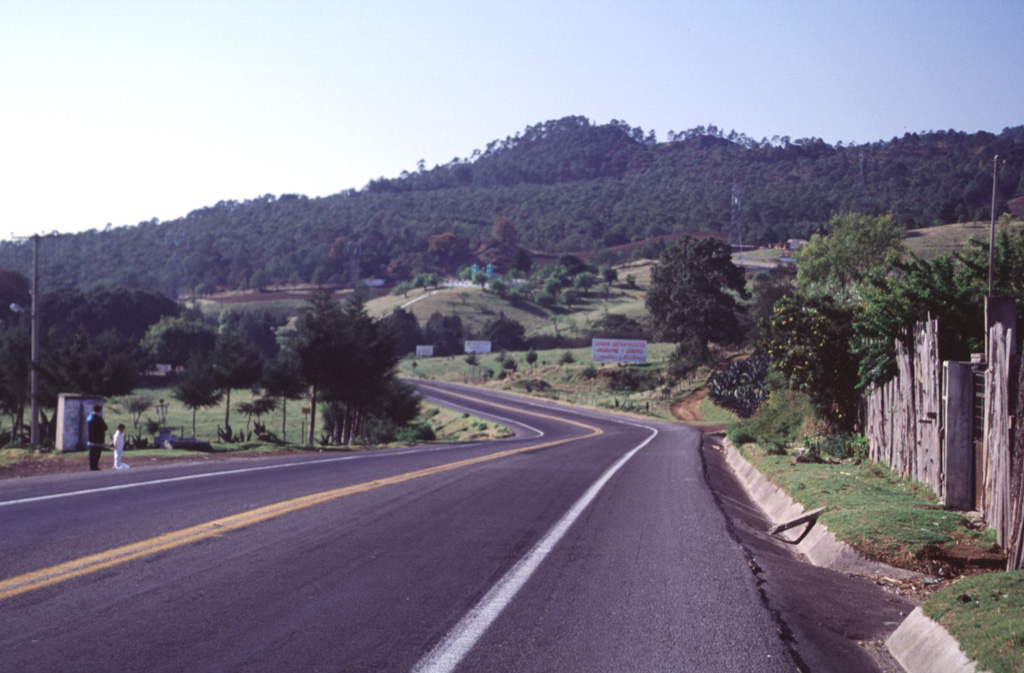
934	241
208	420
475	307
899	522
581	382
457	426
179	420
885	517
11	455
716	415
986	615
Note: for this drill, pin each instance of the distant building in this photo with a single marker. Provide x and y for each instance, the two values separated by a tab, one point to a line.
791	246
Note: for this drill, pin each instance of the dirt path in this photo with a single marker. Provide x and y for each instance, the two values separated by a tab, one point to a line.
687	409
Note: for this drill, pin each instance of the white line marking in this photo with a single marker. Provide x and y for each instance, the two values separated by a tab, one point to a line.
220	473
119	487
461	639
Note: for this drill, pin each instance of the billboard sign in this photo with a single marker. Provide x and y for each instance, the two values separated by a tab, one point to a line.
425	351
618	350
478	346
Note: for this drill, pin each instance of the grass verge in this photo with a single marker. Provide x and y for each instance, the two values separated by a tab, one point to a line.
986	615
900	522
884	516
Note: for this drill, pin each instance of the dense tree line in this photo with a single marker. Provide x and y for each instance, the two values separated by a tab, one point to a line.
567	185
103	341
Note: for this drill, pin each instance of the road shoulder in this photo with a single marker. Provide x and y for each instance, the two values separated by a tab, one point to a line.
833	621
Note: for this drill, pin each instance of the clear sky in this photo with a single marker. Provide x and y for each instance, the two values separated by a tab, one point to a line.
120	111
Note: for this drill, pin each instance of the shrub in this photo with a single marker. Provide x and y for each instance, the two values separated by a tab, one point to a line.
739	435
841	446
416	432
740	387
632	379
779	420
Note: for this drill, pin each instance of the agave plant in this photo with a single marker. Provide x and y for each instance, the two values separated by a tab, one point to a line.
740	386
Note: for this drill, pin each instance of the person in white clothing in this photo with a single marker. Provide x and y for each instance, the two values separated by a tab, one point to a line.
118	444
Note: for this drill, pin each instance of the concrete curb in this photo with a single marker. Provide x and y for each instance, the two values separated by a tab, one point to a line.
922	644
919	644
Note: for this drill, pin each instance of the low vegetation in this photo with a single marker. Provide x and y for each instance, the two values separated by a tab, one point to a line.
986	615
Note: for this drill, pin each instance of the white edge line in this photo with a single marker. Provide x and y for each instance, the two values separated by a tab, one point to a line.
447	654
119	487
169	480
220	473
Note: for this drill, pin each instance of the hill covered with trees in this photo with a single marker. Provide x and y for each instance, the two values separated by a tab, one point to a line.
559	186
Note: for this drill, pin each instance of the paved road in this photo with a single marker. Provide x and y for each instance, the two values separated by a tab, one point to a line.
586	543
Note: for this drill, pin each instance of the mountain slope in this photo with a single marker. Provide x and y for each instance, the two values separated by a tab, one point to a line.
566	185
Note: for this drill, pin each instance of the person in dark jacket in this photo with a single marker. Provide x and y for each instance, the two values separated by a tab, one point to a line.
97	436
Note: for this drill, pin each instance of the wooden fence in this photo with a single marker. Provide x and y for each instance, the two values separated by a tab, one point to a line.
902	417
920	424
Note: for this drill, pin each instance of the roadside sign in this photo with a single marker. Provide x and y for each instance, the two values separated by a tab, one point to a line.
618	350
478	346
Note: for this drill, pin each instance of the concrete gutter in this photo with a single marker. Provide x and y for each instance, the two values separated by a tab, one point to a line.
919	644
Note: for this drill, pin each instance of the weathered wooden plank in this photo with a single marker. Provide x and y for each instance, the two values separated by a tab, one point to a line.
996	497
928	459
806	517
1015	544
957	443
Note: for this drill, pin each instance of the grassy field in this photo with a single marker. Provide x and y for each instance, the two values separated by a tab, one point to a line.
925	243
474	307
934	241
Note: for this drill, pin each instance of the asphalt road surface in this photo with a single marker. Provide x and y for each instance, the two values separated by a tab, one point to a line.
586	543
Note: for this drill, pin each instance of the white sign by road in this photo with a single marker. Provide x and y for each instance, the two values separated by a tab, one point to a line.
478	346
618	350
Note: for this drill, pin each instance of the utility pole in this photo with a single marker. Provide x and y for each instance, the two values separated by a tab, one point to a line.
736	219
992	231
34	317
34	441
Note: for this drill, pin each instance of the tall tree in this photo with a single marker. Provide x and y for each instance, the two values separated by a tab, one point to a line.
859	244
173	340
368	382
319	347
943	289
405	329
237	365
15	368
282	380
809	340
691	300
197	387
445	333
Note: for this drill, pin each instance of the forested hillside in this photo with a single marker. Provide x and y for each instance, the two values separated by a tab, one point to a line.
564	185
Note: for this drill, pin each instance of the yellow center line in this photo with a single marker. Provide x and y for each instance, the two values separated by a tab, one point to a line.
93	563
